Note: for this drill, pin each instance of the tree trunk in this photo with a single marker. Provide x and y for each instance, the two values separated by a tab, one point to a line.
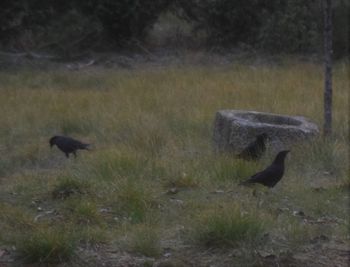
327	10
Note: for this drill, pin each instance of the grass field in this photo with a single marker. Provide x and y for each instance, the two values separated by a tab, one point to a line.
151	130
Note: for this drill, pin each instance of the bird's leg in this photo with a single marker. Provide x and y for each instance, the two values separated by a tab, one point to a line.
67	155
75	154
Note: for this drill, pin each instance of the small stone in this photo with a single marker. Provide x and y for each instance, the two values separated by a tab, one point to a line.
283	209
105	210
38	217
50	211
236	253
266	254
218	192
173	191
298	213
177	201
3	252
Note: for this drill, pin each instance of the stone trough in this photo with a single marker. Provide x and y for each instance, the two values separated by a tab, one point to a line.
235	129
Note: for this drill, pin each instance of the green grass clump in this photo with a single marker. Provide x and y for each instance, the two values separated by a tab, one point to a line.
145	239
226	228
13	220
67	186
27	155
94	234
112	164
148	136
47	245
133	201
297	232
325	156
81	211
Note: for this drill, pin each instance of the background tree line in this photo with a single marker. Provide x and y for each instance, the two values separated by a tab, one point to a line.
68	26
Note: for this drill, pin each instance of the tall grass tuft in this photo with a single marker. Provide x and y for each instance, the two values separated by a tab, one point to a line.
111	164
47	245
226	227
145	239
67	186
133	201
83	211
13	220
321	156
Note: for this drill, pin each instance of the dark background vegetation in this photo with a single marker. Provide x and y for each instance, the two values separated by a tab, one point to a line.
67	27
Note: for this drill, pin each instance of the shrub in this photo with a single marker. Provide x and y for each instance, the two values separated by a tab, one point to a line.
227	22
126	20
292	26
69	26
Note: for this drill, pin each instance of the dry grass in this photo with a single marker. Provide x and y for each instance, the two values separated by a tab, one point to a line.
151	131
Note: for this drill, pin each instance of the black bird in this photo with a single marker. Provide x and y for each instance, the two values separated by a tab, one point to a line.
255	149
68	145
272	174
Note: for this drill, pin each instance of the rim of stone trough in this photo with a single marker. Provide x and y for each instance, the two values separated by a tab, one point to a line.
235	129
